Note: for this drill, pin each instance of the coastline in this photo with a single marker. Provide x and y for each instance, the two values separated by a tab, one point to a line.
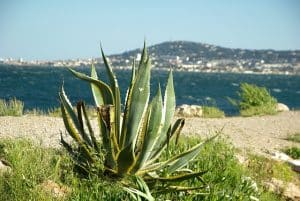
175	69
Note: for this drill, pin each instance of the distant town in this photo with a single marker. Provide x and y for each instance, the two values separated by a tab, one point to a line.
191	56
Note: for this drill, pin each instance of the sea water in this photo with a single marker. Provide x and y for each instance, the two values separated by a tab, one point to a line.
38	87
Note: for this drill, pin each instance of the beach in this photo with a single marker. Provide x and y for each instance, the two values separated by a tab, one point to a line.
259	135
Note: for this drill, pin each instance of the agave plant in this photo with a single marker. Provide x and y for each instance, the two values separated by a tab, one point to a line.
133	142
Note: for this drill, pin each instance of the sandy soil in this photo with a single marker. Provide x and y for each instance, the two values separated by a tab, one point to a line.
257	134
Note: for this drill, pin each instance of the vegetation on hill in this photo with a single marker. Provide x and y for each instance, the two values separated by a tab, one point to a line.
203	51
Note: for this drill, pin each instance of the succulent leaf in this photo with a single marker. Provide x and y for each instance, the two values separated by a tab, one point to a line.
168	111
137	105
105	90
153	129
97	94
116	93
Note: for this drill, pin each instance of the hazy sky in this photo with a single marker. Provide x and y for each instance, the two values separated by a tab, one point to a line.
61	29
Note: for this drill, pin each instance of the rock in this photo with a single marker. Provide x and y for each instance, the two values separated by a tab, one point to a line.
295	165
292	192
189	111
279	156
289	190
54	189
4	166
242	159
280	107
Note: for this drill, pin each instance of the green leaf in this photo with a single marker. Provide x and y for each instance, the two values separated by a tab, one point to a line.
89	126
69	124
183	159
69	108
97	94
137	105
141	190
104	89
103	120
116	93
178	161
144	56
168	111
174	131
153	129
127	103
171	189
82	132
126	160
179	178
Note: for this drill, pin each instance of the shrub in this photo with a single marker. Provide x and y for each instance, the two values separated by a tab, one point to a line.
212	112
12	107
132	147
293	152
255	100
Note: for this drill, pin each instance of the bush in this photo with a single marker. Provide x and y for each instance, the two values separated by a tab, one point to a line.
293	152
255	100
12	107
212	112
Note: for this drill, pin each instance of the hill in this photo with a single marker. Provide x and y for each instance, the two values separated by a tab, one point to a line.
192	56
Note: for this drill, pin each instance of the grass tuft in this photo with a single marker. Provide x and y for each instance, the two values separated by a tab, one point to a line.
12	107
212	112
293	152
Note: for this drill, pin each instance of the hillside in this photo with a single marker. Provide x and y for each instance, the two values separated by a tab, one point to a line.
201	57
196	51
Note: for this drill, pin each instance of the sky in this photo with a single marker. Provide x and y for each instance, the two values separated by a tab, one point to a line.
70	29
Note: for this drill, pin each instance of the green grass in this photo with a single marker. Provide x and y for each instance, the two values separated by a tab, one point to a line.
53	112
12	107
56	112
212	112
258	111
225	179
293	152
264	169
294	137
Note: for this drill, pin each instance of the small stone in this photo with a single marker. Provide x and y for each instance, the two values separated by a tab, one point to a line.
292	192
289	190
280	107
4	166
280	156
54	189
295	165
189	111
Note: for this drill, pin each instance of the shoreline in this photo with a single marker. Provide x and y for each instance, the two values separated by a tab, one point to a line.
126	68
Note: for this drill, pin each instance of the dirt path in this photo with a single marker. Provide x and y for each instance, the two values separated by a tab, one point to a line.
257	134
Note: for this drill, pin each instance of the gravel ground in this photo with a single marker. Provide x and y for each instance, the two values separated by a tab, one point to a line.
257	134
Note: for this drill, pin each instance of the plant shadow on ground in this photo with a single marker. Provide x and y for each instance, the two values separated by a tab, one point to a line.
225	179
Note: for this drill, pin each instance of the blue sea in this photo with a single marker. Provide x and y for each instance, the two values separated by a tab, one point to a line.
38	86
